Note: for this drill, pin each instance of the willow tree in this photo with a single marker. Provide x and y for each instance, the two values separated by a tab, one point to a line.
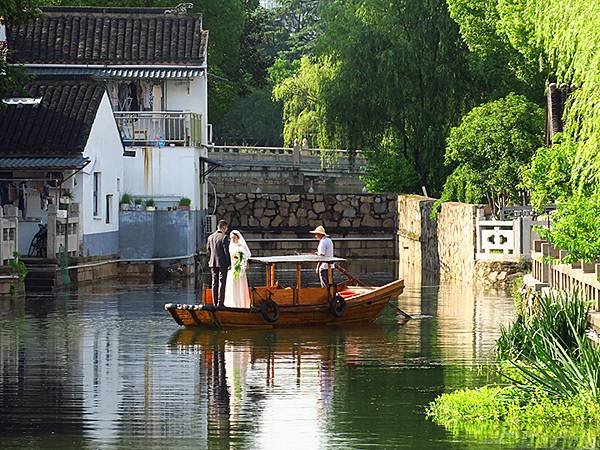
389	78
402	82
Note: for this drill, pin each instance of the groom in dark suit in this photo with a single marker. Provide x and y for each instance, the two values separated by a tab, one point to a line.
219	261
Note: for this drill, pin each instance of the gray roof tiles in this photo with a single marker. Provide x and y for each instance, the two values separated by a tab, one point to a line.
58	126
108	36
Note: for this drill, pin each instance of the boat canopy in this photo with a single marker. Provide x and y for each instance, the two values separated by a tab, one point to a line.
296	259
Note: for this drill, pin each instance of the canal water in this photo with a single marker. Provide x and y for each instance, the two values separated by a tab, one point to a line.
106	367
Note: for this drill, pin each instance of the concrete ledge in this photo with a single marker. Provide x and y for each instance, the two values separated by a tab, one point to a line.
594	320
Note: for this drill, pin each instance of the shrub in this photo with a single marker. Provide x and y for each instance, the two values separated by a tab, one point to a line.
559	314
126	198
150	202
184	201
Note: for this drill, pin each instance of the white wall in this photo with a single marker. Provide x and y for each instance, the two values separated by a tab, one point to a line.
165	174
188	95
105	151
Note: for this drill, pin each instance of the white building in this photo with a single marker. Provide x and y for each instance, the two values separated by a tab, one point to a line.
62	138
153	63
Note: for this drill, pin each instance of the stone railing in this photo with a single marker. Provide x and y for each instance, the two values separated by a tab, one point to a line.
9	226
63	231
314	159
159	129
550	269
505	240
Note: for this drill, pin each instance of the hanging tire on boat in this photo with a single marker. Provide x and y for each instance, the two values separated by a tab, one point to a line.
337	306
269	310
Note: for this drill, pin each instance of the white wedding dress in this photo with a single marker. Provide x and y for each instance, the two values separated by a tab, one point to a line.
237	294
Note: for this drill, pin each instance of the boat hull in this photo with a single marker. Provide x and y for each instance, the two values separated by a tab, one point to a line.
365	307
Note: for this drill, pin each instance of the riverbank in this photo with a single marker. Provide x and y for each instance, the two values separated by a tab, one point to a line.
548	377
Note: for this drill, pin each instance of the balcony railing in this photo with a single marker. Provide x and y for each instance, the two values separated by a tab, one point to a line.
159	129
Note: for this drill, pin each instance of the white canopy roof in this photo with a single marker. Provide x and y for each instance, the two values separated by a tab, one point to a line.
296	259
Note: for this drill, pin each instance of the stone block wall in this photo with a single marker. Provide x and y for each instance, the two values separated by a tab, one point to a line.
457	240
417	240
360	224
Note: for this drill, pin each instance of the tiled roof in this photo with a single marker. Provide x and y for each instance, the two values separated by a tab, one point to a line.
108	36
58	126
112	72
44	162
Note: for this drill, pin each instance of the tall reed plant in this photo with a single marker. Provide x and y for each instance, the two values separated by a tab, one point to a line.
560	370
560	316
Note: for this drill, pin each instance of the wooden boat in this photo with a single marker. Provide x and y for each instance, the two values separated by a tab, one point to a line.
274	306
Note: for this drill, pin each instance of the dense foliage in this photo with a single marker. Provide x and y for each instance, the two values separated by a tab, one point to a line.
489	150
16	11
552	369
392	80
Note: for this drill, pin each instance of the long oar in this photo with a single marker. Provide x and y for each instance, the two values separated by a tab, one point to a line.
353	279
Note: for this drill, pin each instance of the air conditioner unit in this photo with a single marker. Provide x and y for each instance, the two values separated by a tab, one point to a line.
210	226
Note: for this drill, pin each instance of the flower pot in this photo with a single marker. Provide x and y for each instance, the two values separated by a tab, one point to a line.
184	207
138	207
124	206
65	200
61	213
150	208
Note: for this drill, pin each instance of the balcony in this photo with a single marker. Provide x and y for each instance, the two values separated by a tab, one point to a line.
159	129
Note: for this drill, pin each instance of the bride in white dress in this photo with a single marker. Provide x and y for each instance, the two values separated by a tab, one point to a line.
237	294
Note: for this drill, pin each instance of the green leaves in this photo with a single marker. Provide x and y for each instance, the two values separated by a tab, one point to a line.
490	149
575	227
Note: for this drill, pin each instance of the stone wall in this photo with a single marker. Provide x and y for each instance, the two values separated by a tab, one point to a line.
457	240
445	248
417	240
359	224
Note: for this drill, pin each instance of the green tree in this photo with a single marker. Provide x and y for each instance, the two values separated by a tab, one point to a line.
14	11
304	107
496	64
549	174
490	149
400	71
574	227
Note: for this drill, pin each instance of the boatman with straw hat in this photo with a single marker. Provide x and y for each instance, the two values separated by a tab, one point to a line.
325	248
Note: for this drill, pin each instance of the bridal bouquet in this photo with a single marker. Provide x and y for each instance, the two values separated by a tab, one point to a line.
238	264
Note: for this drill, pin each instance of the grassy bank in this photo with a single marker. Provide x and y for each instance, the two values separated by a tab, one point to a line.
551	373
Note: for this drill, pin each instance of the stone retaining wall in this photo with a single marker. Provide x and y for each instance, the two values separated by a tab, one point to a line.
445	248
417	240
457	240
360	225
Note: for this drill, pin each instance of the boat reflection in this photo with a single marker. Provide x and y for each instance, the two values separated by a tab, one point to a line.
248	370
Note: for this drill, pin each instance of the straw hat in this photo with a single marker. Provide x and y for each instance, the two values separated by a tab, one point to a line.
319	230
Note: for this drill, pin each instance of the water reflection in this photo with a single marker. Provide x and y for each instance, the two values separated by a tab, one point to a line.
105	367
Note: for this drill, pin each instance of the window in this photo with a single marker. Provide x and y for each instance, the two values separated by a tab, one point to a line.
108	207
97	194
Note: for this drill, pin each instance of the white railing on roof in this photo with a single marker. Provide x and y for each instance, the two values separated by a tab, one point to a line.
159	128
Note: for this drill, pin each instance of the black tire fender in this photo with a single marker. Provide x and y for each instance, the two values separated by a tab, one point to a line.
270	311
338	306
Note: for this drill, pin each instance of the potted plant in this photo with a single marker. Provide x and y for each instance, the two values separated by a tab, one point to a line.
65	198
150	205
125	201
138	204
184	203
